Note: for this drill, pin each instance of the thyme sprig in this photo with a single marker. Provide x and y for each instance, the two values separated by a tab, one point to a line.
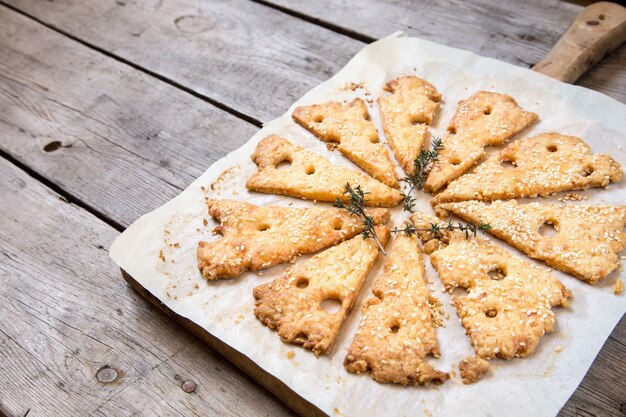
436	229
356	206
422	165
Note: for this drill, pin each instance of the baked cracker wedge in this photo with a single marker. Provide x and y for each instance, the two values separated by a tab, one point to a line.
293	303
507	307
256	237
540	165
587	239
406	115
311	176
484	119
348	126
396	331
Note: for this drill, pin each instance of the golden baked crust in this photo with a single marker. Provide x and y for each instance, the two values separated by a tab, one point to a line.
406	115
350	128
505	314
472	369
396	331
586	244
540	165
292	304
257	237
311	176
484	119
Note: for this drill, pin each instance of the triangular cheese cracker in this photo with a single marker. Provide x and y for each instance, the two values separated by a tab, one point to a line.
587	237
294	304
257	237
507	307
406	115
349	128
484	119
540	165
397	331
311	176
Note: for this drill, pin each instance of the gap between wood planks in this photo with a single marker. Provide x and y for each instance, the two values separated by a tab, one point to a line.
69	197
64	195
131	64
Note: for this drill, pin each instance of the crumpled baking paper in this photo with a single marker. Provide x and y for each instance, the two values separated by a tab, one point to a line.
159	249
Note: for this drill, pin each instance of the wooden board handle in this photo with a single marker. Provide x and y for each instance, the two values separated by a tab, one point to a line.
598	30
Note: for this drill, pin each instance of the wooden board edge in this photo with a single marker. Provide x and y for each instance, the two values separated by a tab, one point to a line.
270	382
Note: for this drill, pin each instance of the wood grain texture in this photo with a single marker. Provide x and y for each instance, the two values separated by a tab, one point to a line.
111	136
247	56
521	34
135	142
65	313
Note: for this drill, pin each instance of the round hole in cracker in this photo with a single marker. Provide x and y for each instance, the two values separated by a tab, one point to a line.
331	305
302	282
284	164
455	160
508	164
552	148
263	227
548	228
487	110
394	328
491	313
452	130
309	170
496	272
318	118
337	224
417	120
588	171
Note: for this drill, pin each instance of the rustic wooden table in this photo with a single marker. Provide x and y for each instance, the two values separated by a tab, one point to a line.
110	108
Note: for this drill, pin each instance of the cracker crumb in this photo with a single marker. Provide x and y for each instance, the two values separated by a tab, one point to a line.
352	86
572	197
618	287
290	354
161	256
558	348
472	369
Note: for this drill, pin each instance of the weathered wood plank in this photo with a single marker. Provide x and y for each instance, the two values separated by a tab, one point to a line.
111	136
520	33
133	189
66	313
603	391
215	48
247	56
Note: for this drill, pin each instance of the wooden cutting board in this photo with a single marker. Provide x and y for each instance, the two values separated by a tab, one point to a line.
597	31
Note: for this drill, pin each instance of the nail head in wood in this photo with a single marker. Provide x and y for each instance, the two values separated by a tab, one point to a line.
189	386
106	375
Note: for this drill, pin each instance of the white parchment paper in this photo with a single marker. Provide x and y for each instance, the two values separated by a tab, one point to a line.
159	249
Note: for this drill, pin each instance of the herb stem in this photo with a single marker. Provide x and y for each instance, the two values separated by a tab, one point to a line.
356	206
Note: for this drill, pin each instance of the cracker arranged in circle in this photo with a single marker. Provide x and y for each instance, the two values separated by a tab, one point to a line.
293	304
396	331
255	237
406	115
540	165
349	128
311	176
484	119
587	239
508	304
